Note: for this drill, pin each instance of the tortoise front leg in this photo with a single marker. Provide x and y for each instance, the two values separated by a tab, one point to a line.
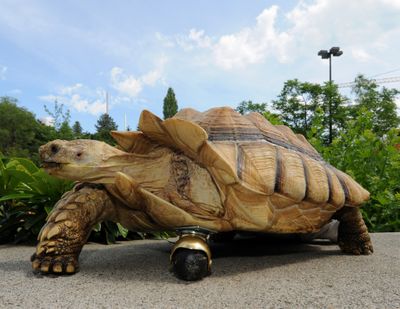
68	227
353	234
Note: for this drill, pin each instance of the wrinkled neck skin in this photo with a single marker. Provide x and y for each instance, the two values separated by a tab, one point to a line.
100	165
138	167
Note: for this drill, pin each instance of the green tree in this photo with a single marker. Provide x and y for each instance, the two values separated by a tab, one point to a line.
170	107
298	102
335	111
104	125
65	132
77	129
20	133
374	162
381	102
273	118
58	114
245	107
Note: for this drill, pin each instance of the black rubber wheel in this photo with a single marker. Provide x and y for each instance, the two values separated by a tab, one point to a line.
190	265
223	237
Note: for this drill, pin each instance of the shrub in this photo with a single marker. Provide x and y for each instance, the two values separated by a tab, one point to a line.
28	194
374	161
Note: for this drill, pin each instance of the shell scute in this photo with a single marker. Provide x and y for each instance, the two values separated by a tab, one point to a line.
291	180
249	151
257	165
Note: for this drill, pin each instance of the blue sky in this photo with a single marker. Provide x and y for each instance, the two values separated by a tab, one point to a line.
212	53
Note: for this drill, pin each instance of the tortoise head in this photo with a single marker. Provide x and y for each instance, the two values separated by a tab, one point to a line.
83	160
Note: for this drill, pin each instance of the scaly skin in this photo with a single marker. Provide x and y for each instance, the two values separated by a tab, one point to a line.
68	227
353	237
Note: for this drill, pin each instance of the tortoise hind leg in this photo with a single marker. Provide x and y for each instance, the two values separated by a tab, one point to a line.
68	227
353	234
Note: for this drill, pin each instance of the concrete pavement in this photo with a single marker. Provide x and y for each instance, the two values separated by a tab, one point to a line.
258	273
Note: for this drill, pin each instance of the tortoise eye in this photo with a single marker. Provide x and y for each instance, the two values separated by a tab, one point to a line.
54	149
79	154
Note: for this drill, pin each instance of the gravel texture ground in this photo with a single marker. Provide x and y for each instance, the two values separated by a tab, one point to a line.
247	273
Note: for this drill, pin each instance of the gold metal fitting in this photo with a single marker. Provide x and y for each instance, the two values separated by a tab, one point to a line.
193	242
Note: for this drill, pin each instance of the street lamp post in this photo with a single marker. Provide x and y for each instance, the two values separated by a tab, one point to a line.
336	52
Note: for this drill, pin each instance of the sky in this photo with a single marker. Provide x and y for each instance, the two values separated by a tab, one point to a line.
212	53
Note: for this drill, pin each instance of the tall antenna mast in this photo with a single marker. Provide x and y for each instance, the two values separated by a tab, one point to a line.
106	102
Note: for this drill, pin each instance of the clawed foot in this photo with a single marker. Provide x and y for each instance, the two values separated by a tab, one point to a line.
59	265
358	245
51	258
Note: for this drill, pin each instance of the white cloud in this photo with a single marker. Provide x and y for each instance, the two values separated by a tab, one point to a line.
248	46
397	100
84	99
95	107
48	121
360	54
252	45
126	84
199	38
165	40
362	28
69	90
195	39
151	77
356	26
79	98
3	71
131	86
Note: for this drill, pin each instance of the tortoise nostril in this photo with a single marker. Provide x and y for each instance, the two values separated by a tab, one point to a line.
54	149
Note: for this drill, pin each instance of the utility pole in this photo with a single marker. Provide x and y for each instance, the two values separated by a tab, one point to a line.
336	52
106	102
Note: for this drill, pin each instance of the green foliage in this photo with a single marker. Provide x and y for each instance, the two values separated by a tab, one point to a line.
365	136
27	195
246	107
58	114
382	104
170	107
335	112
65	132
272	118
20	133
298	102
315	134
77	129
374	162
105	124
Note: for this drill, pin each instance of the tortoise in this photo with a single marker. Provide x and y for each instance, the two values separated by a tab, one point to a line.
197	173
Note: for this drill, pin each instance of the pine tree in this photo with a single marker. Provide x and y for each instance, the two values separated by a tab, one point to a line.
170	107
77	129
104	125
65	132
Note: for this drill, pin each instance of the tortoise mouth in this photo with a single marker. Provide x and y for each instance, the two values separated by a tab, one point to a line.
51	165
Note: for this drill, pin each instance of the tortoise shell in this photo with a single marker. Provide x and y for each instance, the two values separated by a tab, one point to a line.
256	166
